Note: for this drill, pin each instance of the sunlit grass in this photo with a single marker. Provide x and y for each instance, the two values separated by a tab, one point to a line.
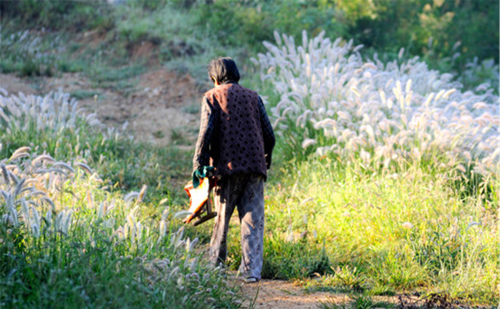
390	181
70	239
383	233
331	100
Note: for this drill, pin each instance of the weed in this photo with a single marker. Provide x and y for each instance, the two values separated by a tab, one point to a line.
84	94
29	53
158	134
348	277
71	66
363	219
340	104
107	74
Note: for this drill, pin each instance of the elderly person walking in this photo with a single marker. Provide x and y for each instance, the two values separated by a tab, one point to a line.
237	139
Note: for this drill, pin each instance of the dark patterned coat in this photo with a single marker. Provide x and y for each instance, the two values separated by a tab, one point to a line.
235	133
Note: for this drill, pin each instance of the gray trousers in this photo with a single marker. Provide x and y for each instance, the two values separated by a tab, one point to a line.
247	193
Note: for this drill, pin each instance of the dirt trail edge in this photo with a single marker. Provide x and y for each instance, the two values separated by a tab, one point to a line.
280	294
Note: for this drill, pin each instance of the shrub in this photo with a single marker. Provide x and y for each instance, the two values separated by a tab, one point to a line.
58	14
251	22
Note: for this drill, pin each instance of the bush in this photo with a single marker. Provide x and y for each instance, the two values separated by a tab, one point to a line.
250	23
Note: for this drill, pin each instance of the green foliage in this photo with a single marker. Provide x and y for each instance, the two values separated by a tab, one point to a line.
124	163
356	302
68	248
58	14
185	33
249	23
160	22
107	74
84	94
27	53
288	260
428	28
82	273
399	270
411	226
71	66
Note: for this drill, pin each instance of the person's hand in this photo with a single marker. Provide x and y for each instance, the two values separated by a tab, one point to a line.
268	160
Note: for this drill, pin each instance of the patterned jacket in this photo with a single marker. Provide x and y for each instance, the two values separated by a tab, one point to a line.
235	135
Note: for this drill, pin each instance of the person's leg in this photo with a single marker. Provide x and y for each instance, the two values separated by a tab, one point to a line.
251	213
225	196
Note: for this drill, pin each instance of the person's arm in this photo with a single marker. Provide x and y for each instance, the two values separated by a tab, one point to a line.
207	124
268	133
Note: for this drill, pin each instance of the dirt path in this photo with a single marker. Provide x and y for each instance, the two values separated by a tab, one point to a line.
279	294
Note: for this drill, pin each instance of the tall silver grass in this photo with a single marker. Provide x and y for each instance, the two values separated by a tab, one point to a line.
31	112
32	186
338	102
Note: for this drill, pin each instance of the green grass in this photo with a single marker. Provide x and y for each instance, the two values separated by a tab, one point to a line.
355	302
71	65
91	264
27	54
357	239
185	35
124	163
382	235
81	94
107	74
115	251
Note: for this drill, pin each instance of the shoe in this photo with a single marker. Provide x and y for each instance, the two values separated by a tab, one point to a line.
250	280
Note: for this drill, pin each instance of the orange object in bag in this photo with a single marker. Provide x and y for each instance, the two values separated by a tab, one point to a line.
200	202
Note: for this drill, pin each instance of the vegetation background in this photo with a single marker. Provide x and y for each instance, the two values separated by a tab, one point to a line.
447	34
427	227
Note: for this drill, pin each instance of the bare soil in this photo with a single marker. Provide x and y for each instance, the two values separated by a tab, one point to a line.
280	294
161	107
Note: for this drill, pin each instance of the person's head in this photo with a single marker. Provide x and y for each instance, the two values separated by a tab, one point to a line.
223	70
